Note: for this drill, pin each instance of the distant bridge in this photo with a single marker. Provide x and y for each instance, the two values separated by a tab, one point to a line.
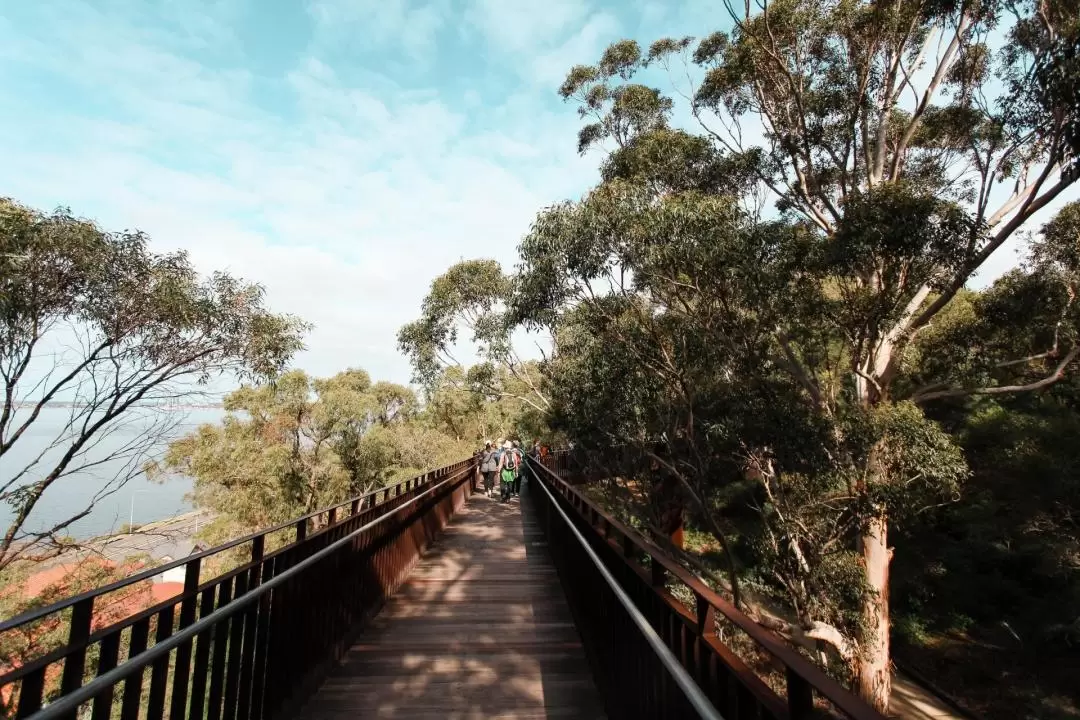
31	404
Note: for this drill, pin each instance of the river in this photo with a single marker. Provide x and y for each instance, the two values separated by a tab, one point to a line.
139	500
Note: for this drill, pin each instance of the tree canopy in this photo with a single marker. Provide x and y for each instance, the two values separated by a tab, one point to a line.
800	360
290	447
97	319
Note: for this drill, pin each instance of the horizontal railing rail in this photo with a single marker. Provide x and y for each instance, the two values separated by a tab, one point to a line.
253	641
301	524
644	570
636	671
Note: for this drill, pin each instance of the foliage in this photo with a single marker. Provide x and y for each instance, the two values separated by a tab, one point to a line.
290	447
986	589
484	402
97	319
802	350
470	295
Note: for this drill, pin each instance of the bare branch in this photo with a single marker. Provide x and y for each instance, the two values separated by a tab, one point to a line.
1056	375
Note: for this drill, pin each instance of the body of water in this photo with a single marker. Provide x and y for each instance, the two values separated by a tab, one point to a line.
139	499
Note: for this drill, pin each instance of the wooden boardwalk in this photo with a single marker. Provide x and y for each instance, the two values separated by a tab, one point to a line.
480	630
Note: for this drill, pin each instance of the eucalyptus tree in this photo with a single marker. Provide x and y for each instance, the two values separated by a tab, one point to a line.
96	323
903	143
471	296
300	443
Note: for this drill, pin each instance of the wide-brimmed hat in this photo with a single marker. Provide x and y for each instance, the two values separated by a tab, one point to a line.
508	445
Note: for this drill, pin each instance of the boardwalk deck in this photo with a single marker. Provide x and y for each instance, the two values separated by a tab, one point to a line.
480	630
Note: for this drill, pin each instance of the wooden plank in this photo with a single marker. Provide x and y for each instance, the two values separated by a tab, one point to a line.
480	630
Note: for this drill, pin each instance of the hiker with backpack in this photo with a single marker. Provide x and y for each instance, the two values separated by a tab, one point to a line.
508	468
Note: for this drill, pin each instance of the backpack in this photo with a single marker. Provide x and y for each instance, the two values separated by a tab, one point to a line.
512	461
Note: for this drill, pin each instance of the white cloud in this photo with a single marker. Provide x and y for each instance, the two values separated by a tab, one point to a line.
582	48
412	25
525	25
542	39
345	204
345	196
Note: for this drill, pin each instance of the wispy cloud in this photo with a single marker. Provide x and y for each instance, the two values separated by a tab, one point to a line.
411	26
341	152
343	189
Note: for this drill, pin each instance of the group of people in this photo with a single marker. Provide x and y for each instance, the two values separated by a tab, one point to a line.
505	460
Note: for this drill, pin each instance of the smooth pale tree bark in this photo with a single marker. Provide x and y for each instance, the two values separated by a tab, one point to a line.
872	666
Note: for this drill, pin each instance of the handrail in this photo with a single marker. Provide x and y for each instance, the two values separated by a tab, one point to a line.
63	706
694	694
798	667
39	613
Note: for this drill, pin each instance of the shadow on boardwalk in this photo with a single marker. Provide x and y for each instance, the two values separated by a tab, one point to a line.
480	630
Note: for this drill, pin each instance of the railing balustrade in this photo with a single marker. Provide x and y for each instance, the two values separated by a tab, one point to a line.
628	674
251	642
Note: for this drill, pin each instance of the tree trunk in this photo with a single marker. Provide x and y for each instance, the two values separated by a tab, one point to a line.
873	663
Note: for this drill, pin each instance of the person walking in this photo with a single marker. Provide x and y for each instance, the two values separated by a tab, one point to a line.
489	465
519	460
507	469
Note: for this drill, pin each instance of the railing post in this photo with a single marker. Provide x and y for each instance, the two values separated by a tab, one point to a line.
301	529
706	617
183	653
75	664
657	572
800	697
249	619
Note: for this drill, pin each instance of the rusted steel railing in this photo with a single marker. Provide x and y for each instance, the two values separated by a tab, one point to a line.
251	642
643	571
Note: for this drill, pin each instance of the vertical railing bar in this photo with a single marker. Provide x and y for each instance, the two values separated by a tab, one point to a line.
247	658
262	632
221	645
82	613
107	660
132	702
182	669
159	673
31	693
232	665
202	657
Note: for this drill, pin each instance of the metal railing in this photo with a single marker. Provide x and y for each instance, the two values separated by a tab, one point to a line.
635	671
252	642
629	678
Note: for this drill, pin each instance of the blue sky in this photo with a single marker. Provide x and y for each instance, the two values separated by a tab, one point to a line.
341	152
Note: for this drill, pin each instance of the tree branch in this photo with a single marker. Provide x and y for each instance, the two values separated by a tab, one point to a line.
1058	373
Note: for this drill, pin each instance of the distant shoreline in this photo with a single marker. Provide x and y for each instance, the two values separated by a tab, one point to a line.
30	405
